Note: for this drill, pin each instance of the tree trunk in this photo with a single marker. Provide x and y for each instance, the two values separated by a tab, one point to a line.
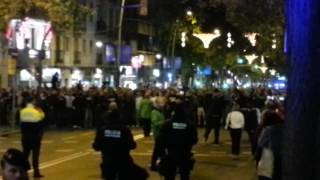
301	150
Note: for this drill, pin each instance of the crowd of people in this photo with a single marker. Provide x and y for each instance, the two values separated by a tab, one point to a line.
76	107
171	115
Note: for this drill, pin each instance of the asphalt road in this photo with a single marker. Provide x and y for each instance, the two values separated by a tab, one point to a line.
68	155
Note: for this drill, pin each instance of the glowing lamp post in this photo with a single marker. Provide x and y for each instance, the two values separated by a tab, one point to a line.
273	72
252	37
207	38
251	58
263	68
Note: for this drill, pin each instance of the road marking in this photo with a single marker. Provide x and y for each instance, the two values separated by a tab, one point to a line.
64	159
87	133
73	156
137	137
70	142
64	150
68	138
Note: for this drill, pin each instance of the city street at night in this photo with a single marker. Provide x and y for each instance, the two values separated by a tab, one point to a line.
68	155
140	89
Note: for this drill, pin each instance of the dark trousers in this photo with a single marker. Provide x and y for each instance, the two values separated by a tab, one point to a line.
183	176
79	117
235	140
216	133
251	134
110	172
263	178
183	171
33	145
146	126
156	152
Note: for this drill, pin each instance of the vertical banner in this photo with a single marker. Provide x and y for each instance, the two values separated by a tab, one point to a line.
143	11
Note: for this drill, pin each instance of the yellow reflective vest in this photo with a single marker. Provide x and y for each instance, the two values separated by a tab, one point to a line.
31	114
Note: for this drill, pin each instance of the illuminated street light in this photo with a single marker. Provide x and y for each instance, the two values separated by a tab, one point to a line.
99	44
230	42
207	38
263	68
183	39
273	72
262	60
251	58
189	13
158	56
156	73
252	37
240	61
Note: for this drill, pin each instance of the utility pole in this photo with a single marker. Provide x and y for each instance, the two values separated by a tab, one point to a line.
173	46
117	64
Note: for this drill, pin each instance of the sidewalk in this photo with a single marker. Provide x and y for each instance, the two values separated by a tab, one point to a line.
6	131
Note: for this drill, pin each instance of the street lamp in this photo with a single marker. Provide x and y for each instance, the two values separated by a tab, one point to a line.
117	74
207	38
251	37
251	58
99	44
189	13
263	68
273	72
158	56
117	64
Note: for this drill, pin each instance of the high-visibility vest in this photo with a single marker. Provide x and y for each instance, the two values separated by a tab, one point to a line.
31	114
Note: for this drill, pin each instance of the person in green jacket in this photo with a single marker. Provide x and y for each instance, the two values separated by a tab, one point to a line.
144	112
157	120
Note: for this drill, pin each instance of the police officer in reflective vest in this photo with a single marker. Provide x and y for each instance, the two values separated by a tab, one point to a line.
115	141
176	139
31	118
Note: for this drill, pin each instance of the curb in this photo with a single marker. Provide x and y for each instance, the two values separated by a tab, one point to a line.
6	133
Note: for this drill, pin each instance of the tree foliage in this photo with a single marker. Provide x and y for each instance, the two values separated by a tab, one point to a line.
264	17
64	14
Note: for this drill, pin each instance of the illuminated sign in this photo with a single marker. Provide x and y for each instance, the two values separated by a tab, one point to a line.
32	34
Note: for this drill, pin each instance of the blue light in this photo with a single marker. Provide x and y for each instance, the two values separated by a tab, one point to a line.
240	61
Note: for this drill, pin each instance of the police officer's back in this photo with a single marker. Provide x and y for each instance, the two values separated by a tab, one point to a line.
31	132
177	137
115	141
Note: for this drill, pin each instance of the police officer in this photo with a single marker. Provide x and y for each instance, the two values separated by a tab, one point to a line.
115	141
176	139
14	165
32	131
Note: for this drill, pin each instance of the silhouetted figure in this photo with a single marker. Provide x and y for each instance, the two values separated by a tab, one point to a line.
176	139
115	141
55	81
